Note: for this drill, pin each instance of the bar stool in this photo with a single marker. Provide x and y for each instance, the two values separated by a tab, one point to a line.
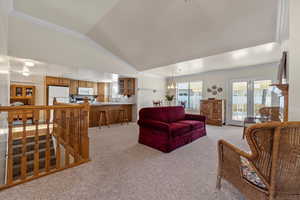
103	114
123	117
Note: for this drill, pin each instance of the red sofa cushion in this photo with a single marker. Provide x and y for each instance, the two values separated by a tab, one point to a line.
178	129
176	113
154	124
193	123
165	114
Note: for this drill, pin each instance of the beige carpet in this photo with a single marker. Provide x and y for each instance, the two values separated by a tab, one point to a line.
122	169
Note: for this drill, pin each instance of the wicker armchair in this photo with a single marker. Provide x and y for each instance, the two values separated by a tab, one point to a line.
274	160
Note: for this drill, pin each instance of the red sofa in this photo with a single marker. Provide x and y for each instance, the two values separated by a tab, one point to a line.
167	128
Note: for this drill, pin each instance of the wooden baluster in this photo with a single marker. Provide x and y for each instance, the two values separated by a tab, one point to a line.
57	135
10	148
24	147
67	141
63	125
36	143
76	134
47	161
85	151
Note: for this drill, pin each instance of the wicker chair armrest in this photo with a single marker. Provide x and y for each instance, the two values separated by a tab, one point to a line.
234	149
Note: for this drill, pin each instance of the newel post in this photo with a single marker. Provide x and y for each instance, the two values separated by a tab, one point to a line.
85	143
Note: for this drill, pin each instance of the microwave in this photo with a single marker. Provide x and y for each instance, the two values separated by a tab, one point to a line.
85	91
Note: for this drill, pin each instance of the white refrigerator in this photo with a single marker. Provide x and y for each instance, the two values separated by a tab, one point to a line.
62	94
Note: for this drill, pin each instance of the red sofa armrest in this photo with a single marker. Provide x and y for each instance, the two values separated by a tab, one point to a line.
154	124
195	117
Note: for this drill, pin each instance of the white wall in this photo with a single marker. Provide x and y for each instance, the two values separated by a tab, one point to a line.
222	78
294	61
149	88
5	7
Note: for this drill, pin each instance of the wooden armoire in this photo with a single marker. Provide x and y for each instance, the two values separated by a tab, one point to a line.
214	111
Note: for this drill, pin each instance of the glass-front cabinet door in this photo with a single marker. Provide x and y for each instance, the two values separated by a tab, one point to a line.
18	91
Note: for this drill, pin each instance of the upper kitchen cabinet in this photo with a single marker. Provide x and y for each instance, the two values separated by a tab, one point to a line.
127	86
55	81
82	84
90	84
95	87
101	92
73	87
22	93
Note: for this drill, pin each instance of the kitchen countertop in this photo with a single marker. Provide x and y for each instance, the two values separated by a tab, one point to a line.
110	103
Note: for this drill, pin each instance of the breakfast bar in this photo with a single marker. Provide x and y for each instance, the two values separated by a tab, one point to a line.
113	112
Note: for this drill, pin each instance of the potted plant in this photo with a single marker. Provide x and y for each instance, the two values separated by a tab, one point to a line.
169	98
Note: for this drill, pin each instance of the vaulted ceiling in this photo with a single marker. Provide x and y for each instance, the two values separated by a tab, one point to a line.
154	33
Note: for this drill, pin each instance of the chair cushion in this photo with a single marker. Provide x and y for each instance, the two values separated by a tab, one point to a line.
193	123
250	174
178	129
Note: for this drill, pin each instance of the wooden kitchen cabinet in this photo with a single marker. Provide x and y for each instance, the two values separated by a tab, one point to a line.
214	111
95	87
82	84
90	84
127	86
101	92
56	81
74	87
24	94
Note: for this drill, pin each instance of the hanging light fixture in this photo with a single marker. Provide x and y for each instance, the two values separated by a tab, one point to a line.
173	83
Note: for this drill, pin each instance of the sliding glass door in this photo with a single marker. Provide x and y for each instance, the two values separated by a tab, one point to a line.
189	95
247	97
239	100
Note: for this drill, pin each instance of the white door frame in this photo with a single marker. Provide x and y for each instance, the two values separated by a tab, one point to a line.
250	97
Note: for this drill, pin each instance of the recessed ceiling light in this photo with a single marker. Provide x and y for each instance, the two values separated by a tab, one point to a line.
25	69
29	64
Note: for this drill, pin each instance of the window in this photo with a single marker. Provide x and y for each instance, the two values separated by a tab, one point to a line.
189	95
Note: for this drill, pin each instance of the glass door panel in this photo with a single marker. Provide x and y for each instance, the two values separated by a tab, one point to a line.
248	97
189	95
262	95
195	95
183	94
239	108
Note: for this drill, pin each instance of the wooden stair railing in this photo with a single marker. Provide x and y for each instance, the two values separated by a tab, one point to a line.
56	139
